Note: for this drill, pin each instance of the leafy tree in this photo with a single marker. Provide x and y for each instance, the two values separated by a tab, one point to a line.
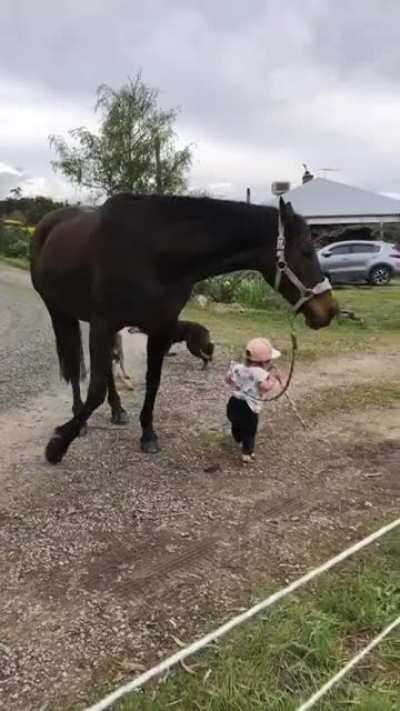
27	209
134	149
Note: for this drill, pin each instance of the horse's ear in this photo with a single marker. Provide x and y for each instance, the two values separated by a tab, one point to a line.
285	206
286	210
289	209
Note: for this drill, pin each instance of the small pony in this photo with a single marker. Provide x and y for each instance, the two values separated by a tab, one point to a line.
195	335
197	339
118	362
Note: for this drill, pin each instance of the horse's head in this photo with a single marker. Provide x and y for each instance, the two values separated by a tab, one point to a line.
296	273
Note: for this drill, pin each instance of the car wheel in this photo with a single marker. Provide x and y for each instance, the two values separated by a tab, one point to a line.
380	275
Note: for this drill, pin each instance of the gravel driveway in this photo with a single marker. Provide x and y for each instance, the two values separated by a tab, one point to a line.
109	557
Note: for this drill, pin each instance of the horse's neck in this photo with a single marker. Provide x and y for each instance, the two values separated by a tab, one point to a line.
233	244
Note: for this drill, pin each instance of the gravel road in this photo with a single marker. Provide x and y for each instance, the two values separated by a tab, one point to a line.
109	557
27	362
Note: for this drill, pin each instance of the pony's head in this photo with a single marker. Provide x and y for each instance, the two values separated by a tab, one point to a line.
296	273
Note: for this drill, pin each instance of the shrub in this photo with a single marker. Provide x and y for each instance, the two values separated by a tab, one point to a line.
19	248
219	288
247	288
14	242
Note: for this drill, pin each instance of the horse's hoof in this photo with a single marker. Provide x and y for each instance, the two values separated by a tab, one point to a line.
55	449
119	417
150	446
84	430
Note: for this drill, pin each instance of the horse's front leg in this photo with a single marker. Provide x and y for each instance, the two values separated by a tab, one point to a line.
100	365
77	400
156	349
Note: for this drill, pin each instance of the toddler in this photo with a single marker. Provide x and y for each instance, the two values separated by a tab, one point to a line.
250	381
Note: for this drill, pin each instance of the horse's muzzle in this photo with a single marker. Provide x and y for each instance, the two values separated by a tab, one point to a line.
320	311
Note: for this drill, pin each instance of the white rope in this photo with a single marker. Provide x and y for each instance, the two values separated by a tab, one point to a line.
348	667
199	644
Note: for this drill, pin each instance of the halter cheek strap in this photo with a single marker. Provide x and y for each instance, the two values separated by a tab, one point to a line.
305	293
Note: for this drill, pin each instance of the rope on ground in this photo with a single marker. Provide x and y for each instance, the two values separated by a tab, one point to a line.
348	667
213	636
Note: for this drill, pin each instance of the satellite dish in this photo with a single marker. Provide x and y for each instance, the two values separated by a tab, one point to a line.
280	187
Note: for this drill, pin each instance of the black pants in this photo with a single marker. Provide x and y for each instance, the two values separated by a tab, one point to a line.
244	423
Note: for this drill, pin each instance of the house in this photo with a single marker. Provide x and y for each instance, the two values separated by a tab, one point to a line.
327	202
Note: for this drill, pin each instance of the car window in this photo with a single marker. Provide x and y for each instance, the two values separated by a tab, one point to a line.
343	249
365	248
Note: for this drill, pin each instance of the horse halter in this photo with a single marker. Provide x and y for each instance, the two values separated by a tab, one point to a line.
282	268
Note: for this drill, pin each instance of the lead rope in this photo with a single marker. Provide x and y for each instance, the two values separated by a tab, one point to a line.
291	368
292	404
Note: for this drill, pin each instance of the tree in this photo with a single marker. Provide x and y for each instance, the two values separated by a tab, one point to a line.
134	150
16	192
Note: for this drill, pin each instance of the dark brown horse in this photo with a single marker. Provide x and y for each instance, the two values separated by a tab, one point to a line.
134	261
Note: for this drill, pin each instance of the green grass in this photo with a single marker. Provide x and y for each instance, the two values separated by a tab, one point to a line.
375	394
283	656
18	262
378	307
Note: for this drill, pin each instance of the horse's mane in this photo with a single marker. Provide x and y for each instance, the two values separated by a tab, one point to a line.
205	207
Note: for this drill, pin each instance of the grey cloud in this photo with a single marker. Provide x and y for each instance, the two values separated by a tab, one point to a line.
8	181
358	40
243	73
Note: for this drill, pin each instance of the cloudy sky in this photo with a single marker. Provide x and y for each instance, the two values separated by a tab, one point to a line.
263	86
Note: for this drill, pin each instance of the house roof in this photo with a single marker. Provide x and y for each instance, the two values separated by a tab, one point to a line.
327	198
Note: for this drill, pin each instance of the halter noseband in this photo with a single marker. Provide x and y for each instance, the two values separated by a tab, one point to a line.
282	268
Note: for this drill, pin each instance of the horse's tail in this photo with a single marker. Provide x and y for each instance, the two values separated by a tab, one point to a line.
69	346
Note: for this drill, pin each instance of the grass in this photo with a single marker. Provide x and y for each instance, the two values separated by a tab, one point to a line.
18	262
375	394
286	654
378	307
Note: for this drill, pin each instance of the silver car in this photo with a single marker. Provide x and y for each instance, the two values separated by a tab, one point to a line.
360	261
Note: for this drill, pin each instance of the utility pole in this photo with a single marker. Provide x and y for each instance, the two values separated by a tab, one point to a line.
248	199
157	147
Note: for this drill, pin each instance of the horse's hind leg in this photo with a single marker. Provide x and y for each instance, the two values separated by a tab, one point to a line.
101	338
70	353
119	416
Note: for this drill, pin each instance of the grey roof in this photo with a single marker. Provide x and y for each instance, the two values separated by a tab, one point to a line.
327	198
